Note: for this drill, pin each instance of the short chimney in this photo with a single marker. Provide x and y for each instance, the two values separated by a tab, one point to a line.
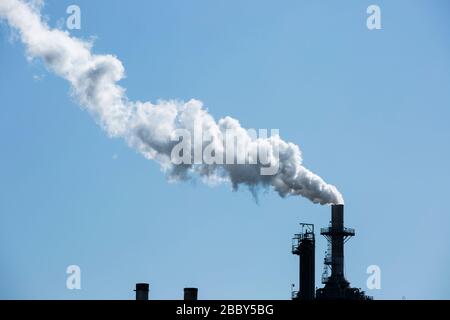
142	290
190	294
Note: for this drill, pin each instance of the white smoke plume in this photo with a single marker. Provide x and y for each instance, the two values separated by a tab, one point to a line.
148	127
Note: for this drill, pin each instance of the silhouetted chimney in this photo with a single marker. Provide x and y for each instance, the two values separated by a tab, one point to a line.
304	245
190	294
142	290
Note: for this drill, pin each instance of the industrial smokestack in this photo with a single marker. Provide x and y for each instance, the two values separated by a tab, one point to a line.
190	294
142	290
337	241
336	286
304	246
336	235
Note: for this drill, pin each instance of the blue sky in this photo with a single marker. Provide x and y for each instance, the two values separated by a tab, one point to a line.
369	109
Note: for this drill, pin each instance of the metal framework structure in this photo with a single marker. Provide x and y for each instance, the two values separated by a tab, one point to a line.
336	287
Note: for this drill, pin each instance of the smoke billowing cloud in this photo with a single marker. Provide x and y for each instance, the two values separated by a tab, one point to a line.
150	127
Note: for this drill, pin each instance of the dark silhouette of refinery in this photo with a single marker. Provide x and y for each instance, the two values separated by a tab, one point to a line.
336	286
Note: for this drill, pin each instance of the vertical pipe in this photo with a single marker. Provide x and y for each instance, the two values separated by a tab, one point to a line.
142	290
337	241
307	268
190	294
